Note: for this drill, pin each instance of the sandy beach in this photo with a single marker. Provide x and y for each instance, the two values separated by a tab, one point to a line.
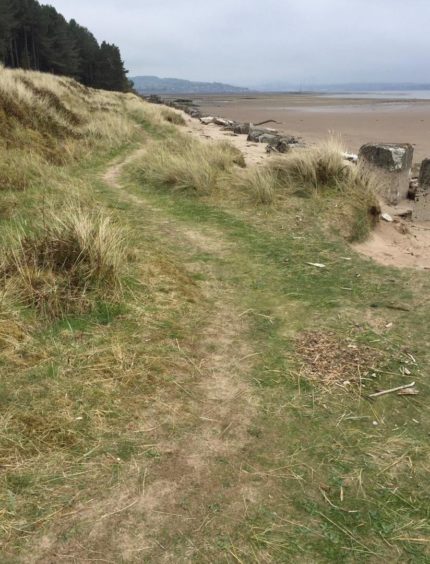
404	244
313	117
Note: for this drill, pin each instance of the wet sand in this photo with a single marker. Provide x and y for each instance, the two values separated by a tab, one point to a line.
313	117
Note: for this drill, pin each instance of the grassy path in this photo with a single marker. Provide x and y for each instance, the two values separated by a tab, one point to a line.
270	468
193	425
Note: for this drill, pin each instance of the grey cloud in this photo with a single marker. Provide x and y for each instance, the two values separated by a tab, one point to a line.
255	41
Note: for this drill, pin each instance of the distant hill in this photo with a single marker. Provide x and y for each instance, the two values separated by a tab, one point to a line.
155	85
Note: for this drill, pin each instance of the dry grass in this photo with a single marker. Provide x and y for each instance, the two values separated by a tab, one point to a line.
186	164
64	265
331	360
345	192
59	119
19	169
172	116
260	182
314	168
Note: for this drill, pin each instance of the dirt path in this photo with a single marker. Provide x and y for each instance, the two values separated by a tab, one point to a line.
215	401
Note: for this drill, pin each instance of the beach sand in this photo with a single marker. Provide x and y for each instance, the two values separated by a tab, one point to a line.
403	244
313	117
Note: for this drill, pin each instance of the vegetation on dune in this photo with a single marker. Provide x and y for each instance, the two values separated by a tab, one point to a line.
66	264
342	189
346	191
172	116
46	120
186	164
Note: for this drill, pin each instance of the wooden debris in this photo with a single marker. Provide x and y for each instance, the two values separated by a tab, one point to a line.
408	392
392	390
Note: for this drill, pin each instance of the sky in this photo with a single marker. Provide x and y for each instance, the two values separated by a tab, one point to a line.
264	42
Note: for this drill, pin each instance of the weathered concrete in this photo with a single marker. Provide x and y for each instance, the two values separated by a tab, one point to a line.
283	144
393	161
242	128
422	196
207	120
256	132
223	122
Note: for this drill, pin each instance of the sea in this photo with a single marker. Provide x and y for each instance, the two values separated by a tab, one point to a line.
380	95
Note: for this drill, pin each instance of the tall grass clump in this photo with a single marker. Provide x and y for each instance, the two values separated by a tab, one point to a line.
358	208
344	192
313	168
66	264
186	164
260	182
172	116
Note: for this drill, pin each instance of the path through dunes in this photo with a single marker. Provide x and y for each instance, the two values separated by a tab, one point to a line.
213	407
249	458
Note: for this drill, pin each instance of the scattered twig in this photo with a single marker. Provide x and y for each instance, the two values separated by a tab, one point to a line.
118	511
267	121
392	390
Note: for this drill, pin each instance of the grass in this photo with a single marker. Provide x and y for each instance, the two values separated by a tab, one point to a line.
203	412
185	164
346	193
172	116
66	264
329	478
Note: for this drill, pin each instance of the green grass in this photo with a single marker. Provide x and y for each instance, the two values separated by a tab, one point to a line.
326	441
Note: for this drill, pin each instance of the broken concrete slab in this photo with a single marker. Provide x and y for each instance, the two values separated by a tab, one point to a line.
223	122
393	161
256	132
422	195
242	128
207	120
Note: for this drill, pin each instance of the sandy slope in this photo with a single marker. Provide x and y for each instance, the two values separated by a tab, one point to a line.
403	244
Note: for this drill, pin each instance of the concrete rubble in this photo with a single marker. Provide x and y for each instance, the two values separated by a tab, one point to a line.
393	162
422	197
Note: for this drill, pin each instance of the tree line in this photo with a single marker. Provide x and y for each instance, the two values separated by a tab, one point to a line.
35	36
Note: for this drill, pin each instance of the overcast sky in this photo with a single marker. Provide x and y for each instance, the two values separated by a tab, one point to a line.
251	42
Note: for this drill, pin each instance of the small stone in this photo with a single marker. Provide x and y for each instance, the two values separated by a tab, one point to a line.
387	217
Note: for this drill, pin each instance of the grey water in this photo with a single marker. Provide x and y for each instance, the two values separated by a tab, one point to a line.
380	95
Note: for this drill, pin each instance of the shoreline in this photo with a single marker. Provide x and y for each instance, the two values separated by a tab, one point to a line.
313	117
402	243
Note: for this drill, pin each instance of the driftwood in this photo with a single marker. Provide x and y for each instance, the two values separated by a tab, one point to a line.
392	390
267	121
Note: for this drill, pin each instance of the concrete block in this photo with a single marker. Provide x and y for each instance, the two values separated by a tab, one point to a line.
422	196
393	161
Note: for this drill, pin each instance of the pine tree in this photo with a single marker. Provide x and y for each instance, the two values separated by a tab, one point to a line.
110	73
35	36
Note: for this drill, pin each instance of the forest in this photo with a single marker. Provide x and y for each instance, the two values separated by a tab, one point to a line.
36	37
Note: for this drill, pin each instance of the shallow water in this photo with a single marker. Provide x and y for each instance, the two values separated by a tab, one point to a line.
381	95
